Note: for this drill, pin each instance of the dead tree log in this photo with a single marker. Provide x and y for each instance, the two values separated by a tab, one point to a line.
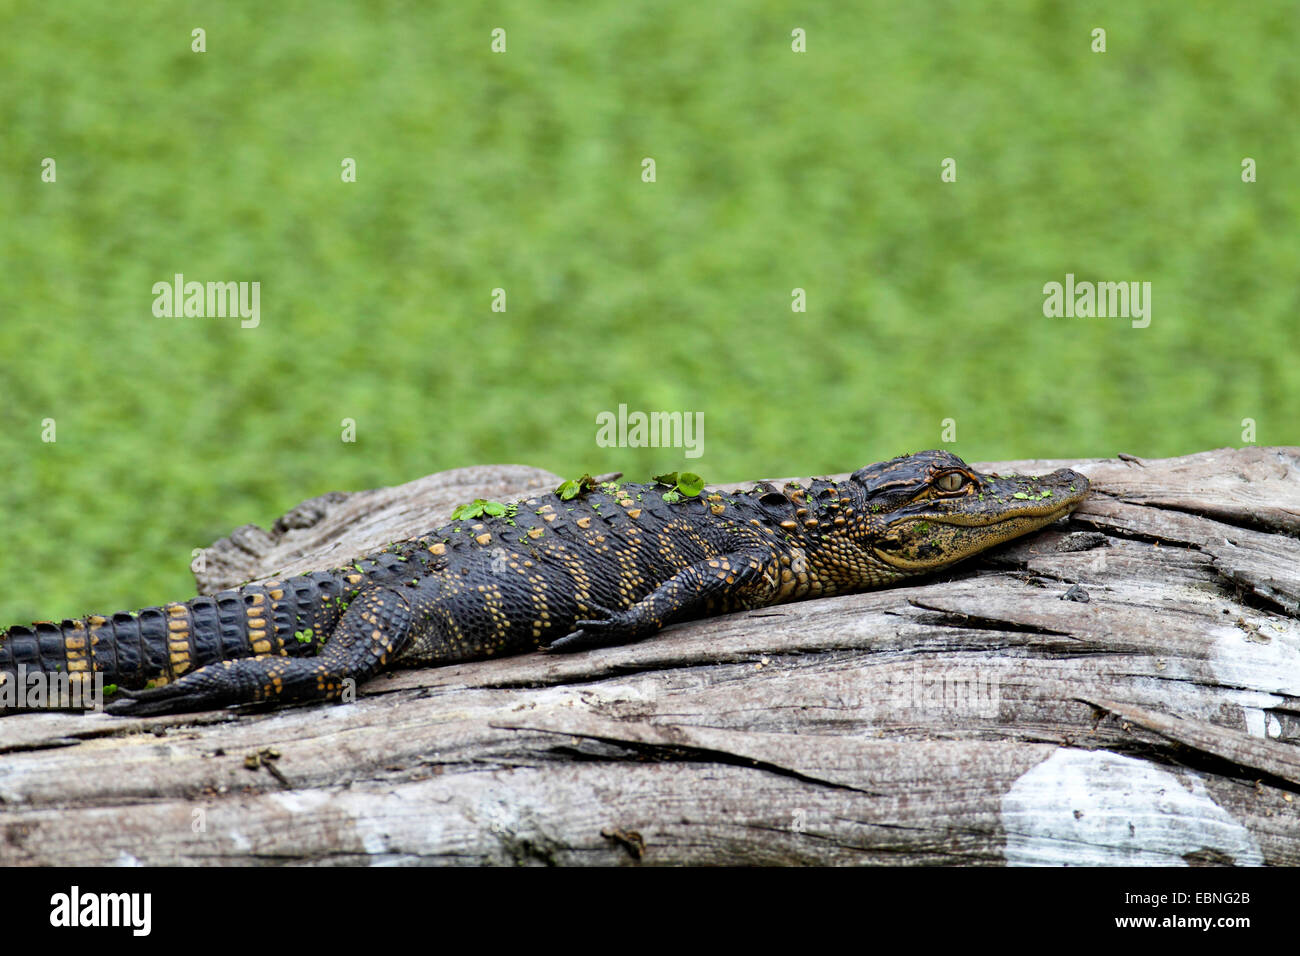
1123	688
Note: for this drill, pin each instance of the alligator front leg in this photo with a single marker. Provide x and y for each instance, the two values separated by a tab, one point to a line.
373	630
740	579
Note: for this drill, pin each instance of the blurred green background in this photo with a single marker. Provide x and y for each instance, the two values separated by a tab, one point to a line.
522	170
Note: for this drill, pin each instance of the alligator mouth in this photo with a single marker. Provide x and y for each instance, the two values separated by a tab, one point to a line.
994	530
1048	514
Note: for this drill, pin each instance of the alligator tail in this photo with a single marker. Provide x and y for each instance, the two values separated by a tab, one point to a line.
156	645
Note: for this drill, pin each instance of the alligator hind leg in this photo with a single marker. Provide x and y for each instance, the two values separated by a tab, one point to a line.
373	630
738	580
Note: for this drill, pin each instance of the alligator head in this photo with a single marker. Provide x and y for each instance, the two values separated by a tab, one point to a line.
930	510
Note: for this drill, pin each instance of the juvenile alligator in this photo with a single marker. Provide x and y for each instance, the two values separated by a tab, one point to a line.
613	564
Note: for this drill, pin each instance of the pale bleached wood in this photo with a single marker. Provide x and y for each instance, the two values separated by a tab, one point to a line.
979	717
333	529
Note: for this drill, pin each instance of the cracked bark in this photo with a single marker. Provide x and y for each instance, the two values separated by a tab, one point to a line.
973	718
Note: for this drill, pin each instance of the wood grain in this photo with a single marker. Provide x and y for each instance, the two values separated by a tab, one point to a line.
978	718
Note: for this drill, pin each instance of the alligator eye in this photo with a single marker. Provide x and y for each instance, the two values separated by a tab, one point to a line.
953	481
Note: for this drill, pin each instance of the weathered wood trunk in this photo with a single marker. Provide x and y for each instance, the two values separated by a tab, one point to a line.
1124	689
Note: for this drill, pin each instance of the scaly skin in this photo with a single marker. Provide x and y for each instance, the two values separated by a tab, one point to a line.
607	567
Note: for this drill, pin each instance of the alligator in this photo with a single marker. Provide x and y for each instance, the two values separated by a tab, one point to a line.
590	565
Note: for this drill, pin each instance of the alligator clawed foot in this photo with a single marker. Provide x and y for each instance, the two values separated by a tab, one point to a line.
243	681
168	699
604	628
